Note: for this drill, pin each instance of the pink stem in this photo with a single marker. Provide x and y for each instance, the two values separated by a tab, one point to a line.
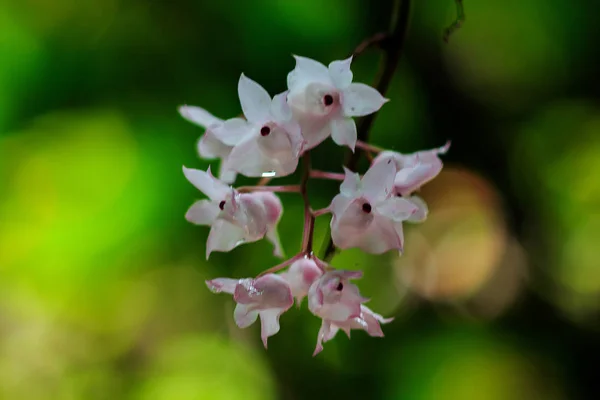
279	189
321	211
368	147
309	219
281	266
326	175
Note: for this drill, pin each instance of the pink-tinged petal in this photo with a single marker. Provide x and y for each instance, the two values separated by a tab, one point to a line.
397	209
273	206
202	212
232	131
251	215
340	73
268	291
343	132
359	100
269	323
223	237
368	321
211	147
326	333
334	298
384	156
307	70
301	275
378	182
351	224
280	109
255	100
422	210
207	183
198	116
412	178
351	182
244	315
222	285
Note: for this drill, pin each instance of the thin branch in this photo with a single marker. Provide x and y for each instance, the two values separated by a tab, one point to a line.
377	40
281	266
279	189
321	211
335	176
460	19
368	147
392	51
309	219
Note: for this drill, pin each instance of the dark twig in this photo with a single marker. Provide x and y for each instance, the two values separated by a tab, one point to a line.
460	19
377	39
394	44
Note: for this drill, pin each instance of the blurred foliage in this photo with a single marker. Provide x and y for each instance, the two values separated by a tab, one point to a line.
102	293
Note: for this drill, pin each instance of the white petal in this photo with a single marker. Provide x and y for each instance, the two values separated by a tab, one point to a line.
397	208
226	175
280	108
340	73
243	316
378	182
250	159
382	236
306	71
224	236
202	212
400	233
198	116
343	132
255	100
273	237
339	204
359	100
211	147
350	185
422	210
232	131
269	323
207	183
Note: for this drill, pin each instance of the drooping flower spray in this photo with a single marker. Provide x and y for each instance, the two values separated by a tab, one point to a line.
275	136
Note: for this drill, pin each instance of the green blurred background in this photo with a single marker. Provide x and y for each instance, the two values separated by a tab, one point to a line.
102	291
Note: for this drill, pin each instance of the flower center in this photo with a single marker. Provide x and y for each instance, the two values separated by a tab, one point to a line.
265	130
366	207
339	287
328	99
222	205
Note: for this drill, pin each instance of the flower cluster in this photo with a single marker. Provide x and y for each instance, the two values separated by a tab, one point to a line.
368	213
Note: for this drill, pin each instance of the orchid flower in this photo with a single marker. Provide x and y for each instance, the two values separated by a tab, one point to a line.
269	141
235	218
339	304
209	147
324	100
414	170
367	214
266	297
